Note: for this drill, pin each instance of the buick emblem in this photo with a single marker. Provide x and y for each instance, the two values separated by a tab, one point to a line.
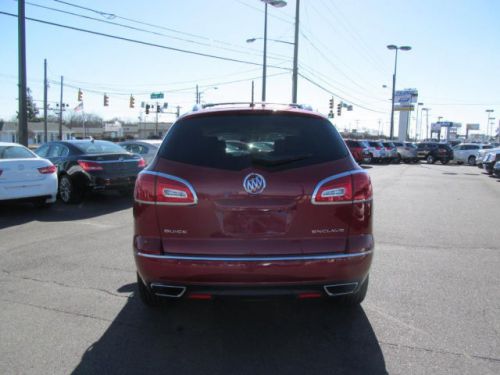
254	183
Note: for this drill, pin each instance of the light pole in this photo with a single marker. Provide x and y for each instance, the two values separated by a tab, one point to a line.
200	93
489	111
276	4
396	48
295	72
426	121
417	129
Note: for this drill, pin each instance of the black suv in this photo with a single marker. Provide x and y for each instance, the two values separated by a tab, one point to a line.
433	151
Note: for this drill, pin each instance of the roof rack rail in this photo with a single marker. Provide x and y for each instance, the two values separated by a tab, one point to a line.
199	107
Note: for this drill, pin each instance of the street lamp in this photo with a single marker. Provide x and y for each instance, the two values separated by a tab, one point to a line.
200	93
427	121
276	4
489	111
251	40
396	48
417	128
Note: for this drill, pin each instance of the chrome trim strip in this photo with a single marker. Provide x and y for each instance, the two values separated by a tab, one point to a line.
254	259
339	294
334	177
178	179
183	290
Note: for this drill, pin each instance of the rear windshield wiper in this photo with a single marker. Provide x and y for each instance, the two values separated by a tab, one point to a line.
279	161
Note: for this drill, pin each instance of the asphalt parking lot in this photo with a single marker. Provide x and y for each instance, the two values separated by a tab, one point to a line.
68	303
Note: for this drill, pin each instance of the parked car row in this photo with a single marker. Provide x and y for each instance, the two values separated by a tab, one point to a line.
489	160
370	151
69	169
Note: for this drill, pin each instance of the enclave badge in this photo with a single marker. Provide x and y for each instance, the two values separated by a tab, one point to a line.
254	183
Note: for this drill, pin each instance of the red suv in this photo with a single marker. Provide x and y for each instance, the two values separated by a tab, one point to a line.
251	202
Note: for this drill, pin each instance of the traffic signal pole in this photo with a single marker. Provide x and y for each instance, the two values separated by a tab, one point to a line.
23	112
61	109
45	105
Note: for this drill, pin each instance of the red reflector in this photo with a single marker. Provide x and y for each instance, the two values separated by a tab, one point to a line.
149	245
142	163
90	165
204	296
46	170
310	295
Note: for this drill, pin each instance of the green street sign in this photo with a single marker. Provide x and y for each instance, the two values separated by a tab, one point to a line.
157	95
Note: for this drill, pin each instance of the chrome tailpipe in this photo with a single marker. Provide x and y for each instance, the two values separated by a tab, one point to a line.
340	289
170	291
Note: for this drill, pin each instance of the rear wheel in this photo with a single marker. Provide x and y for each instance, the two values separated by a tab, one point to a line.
148	298
430	159
68	192
356	298
471	160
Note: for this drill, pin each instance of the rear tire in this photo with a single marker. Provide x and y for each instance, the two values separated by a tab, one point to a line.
430	159
356	298
68	192
471	160
147	298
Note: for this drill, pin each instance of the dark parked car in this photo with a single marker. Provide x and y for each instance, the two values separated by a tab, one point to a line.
490	160
360	150
90	165
293	218
433	151
496	169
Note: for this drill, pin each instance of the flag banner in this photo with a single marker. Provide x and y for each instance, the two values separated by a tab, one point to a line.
79	107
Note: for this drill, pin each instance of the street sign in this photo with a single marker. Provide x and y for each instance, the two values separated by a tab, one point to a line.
404	107
406	96
157	95
472	126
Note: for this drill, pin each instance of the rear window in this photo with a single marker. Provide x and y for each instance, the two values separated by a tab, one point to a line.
236	142
99	147
15	152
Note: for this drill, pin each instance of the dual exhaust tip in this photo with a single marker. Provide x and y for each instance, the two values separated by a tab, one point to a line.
177	291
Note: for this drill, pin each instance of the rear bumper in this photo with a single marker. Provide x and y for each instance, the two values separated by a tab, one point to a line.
112	182
270	272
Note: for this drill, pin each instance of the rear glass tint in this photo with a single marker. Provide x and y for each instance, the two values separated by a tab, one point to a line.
15	152
99	147
235	142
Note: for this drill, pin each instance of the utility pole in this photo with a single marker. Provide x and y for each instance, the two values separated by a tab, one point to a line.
197	95
61	104
426	122
264	63
45	105
253	89
178	113
22	116
295	73
158	110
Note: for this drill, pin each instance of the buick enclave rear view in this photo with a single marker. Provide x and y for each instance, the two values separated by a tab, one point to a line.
253	202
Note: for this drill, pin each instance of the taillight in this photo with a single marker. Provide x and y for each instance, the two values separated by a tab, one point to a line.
163	189
89	166
141	163
378	148
46	170
343	188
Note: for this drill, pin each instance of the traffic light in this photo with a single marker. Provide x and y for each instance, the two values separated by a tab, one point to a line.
106	100
132	102
158	109
331	104
80	95
147	108
339	109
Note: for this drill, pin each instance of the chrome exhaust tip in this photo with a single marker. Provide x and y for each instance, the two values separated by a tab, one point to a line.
340	289
170	291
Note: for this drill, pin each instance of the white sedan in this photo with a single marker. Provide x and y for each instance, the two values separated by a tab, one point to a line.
26	176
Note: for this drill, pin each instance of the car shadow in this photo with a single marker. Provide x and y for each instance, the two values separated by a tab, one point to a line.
95	204
236	337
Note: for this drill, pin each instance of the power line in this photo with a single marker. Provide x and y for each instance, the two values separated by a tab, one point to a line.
338	96
241	51
144	43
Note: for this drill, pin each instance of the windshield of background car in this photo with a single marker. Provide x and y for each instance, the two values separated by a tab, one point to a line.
236	142
99	147
15	152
